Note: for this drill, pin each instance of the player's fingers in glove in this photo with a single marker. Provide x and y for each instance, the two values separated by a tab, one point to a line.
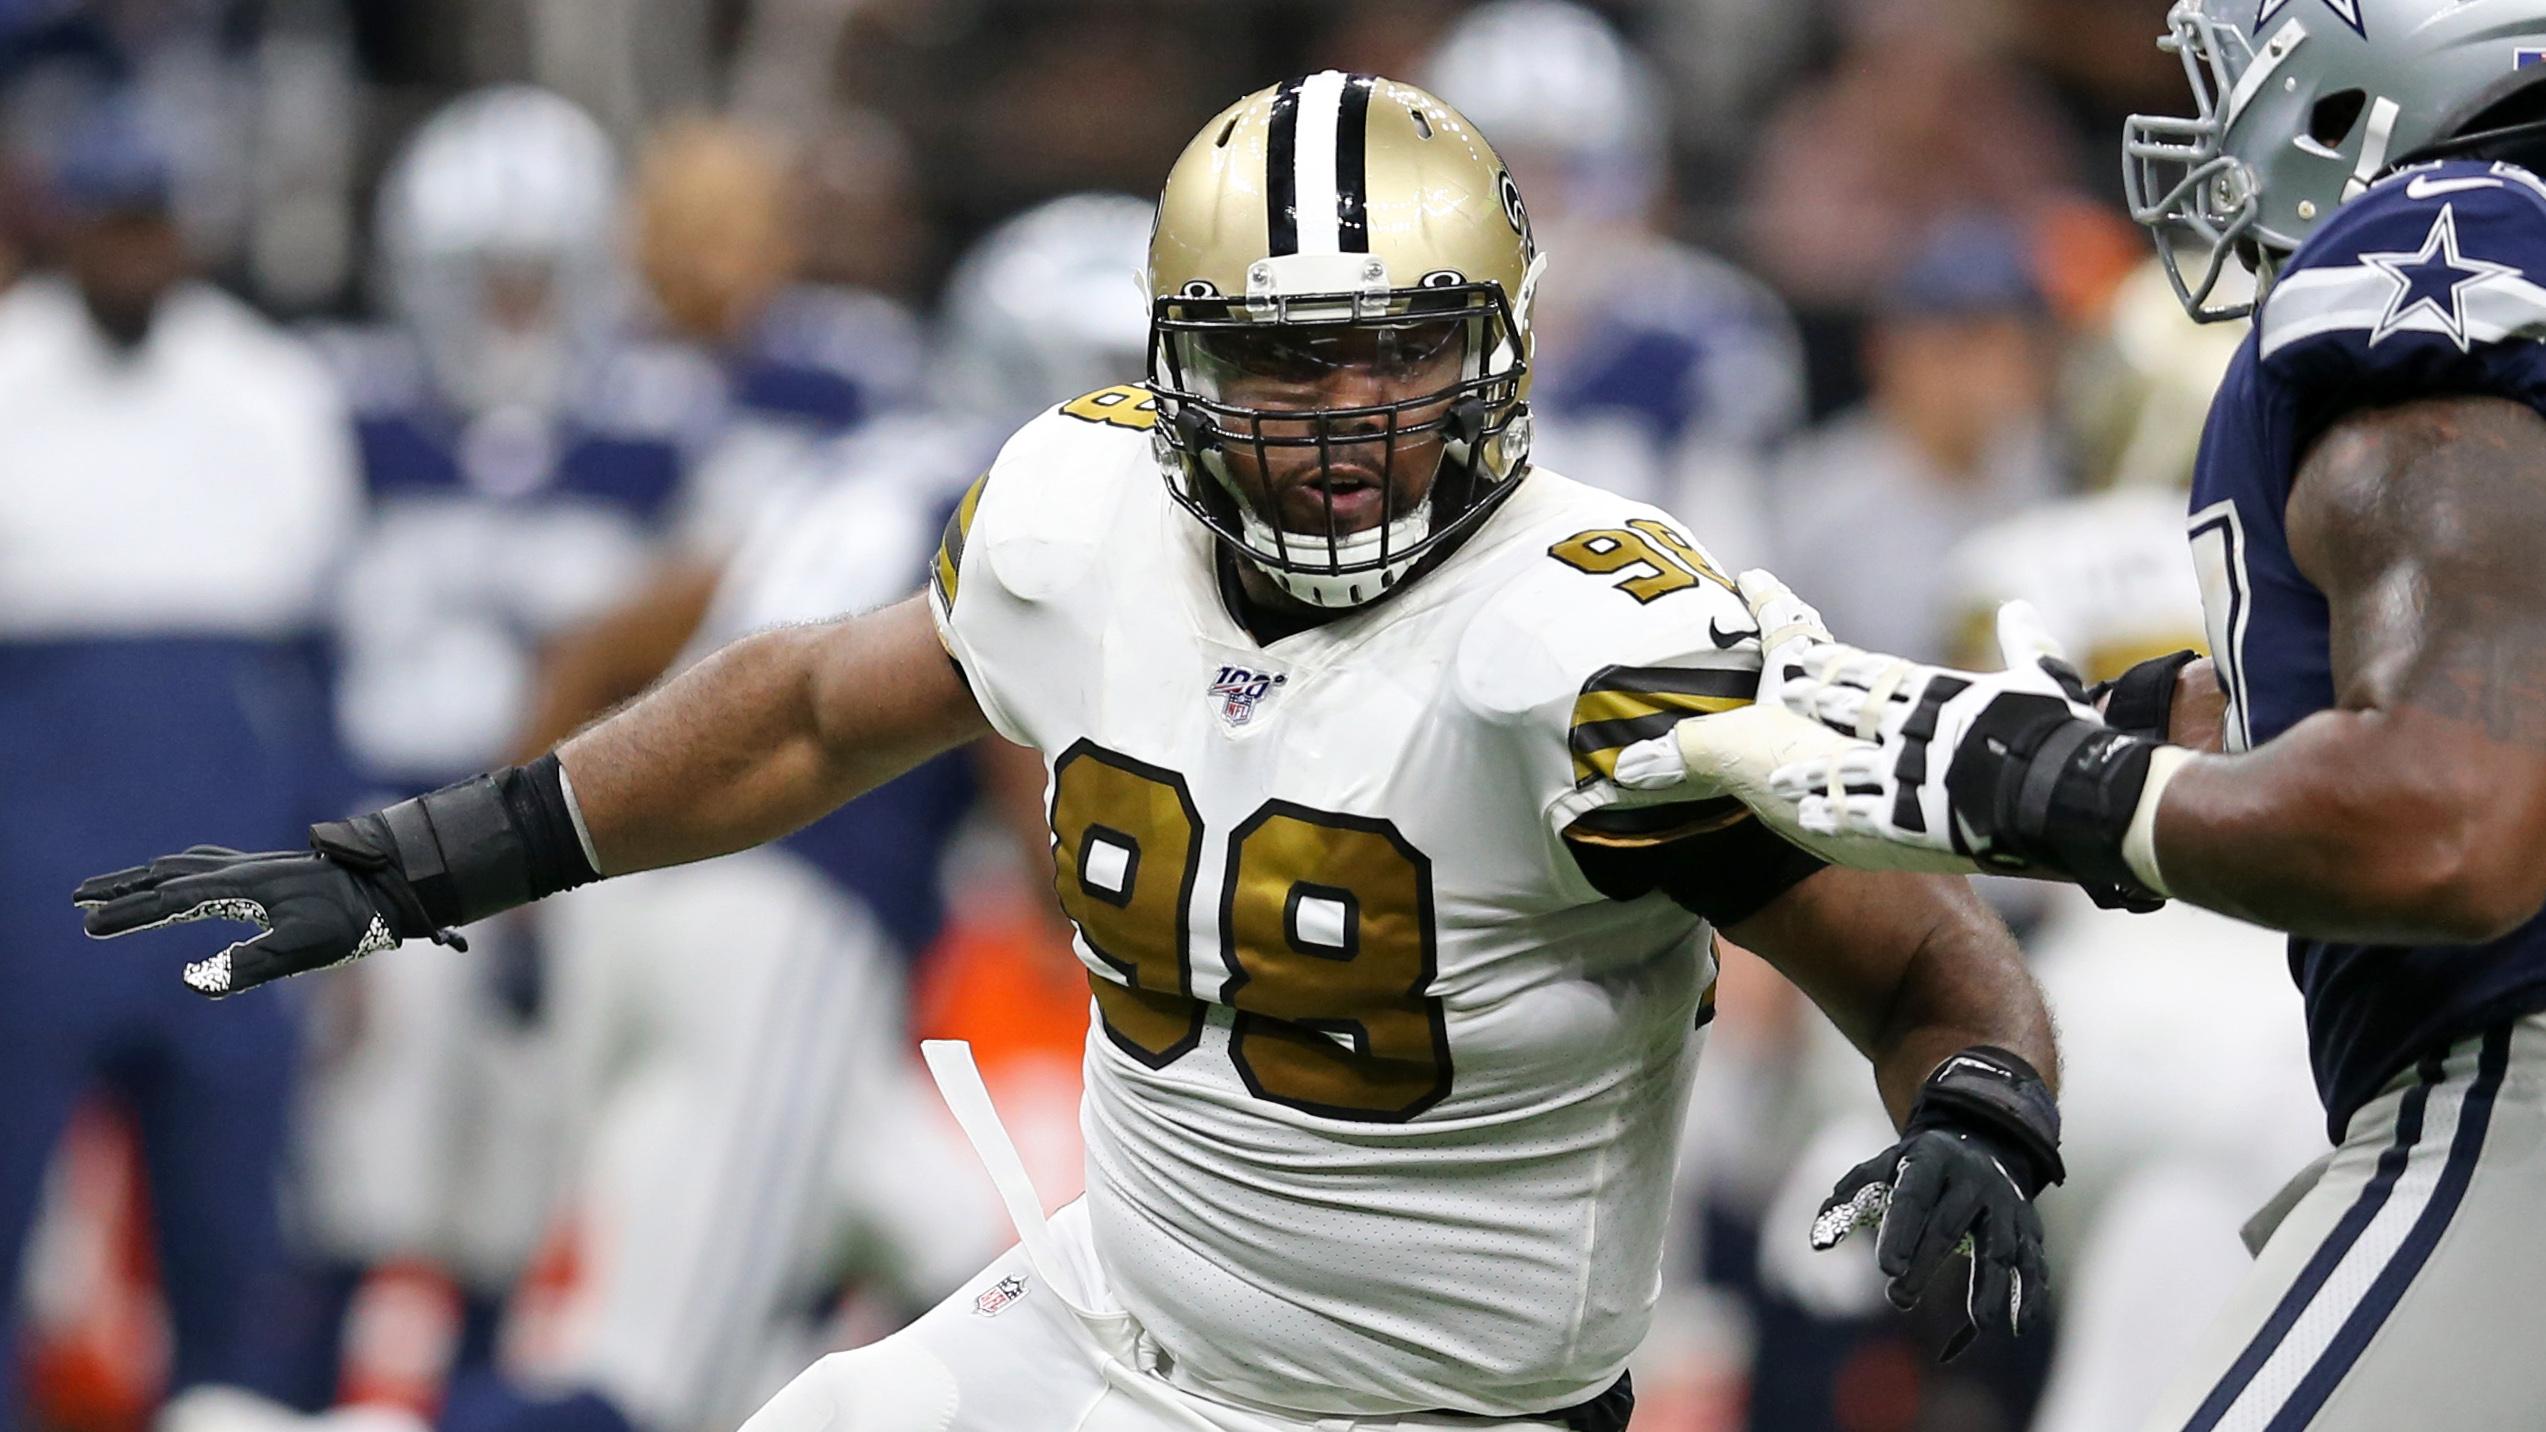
195	860
206	894
1916	1185
290	948
1856	1201
1924	1229
1857	770
1997	1245
2033	1274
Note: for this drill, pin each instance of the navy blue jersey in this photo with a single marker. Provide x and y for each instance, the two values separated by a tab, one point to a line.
492	532
2421	287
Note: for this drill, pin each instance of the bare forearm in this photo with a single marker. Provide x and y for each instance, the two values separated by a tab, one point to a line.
765	736
2343	828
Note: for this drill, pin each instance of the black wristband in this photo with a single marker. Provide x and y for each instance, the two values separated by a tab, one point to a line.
1996	1093
2141	701
2085	785
469	850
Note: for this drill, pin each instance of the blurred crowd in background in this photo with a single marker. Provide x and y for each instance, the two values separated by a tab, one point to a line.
386	388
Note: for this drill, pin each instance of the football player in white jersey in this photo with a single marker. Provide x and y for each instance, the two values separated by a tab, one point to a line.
1396	989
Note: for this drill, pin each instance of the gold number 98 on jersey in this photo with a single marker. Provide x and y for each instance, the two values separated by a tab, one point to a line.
1326	928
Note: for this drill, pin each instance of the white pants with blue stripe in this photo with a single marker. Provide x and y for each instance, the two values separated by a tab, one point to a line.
2400	1291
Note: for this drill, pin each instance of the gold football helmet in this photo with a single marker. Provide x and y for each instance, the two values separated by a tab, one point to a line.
1339	288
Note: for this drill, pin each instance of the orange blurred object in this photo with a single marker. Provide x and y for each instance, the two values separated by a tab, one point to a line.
2082	252
97	1334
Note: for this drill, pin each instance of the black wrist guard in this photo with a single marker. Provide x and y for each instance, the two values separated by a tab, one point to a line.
2056	793
1994	1094
2141	701
469	850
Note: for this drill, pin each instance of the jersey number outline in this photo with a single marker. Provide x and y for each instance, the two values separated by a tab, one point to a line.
1659	560
1126	405
1326	929
2218	560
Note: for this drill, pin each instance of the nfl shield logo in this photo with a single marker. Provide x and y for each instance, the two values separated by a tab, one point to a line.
1007	1291
1237	691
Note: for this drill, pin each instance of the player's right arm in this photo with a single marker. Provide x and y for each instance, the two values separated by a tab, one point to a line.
766	736
759	739
2415	809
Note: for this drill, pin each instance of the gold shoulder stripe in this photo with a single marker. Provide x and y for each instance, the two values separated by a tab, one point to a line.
1638	827
1126	405
948	569
1622	705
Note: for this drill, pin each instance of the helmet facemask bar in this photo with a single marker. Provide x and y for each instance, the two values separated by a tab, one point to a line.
2176	174
1204	347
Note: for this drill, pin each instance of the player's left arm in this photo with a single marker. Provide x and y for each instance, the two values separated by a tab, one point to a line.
1911	968
2415	808
1924	979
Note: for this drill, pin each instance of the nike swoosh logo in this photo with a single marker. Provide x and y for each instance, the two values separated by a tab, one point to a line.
1727	640
2423	186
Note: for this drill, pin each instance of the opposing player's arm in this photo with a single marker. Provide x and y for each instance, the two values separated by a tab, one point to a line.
767	735
2415	810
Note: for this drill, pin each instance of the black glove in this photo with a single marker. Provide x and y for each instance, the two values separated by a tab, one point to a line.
410	872
315	910
1983	1140
2141	701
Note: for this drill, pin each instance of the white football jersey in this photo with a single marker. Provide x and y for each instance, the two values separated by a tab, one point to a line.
1383	1095
2110	573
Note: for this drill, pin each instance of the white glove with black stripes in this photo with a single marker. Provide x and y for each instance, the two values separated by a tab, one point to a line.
2011	769
1735	753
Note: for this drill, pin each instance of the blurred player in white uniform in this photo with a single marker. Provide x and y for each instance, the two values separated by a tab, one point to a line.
1397	987
1672	376
527	461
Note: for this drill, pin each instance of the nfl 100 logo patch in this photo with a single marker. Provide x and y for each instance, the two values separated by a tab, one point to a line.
1238	691
1001	1296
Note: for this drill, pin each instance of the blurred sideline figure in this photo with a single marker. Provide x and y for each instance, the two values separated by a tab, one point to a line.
1958	430
719	223
179	486
2188	1114
1671	375
528	459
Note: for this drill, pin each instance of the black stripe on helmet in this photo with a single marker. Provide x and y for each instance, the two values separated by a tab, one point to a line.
1352	178
1281	173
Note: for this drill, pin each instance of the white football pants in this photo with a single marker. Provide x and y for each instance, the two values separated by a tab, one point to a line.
1036	1343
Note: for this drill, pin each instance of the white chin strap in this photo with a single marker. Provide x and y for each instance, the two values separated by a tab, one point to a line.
1353	549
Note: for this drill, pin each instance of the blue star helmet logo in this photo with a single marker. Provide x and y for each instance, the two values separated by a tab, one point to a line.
2433	280
2347	11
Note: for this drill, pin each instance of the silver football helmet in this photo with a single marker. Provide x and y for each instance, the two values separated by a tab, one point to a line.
2298	106
1046	307
1566	100
499	236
